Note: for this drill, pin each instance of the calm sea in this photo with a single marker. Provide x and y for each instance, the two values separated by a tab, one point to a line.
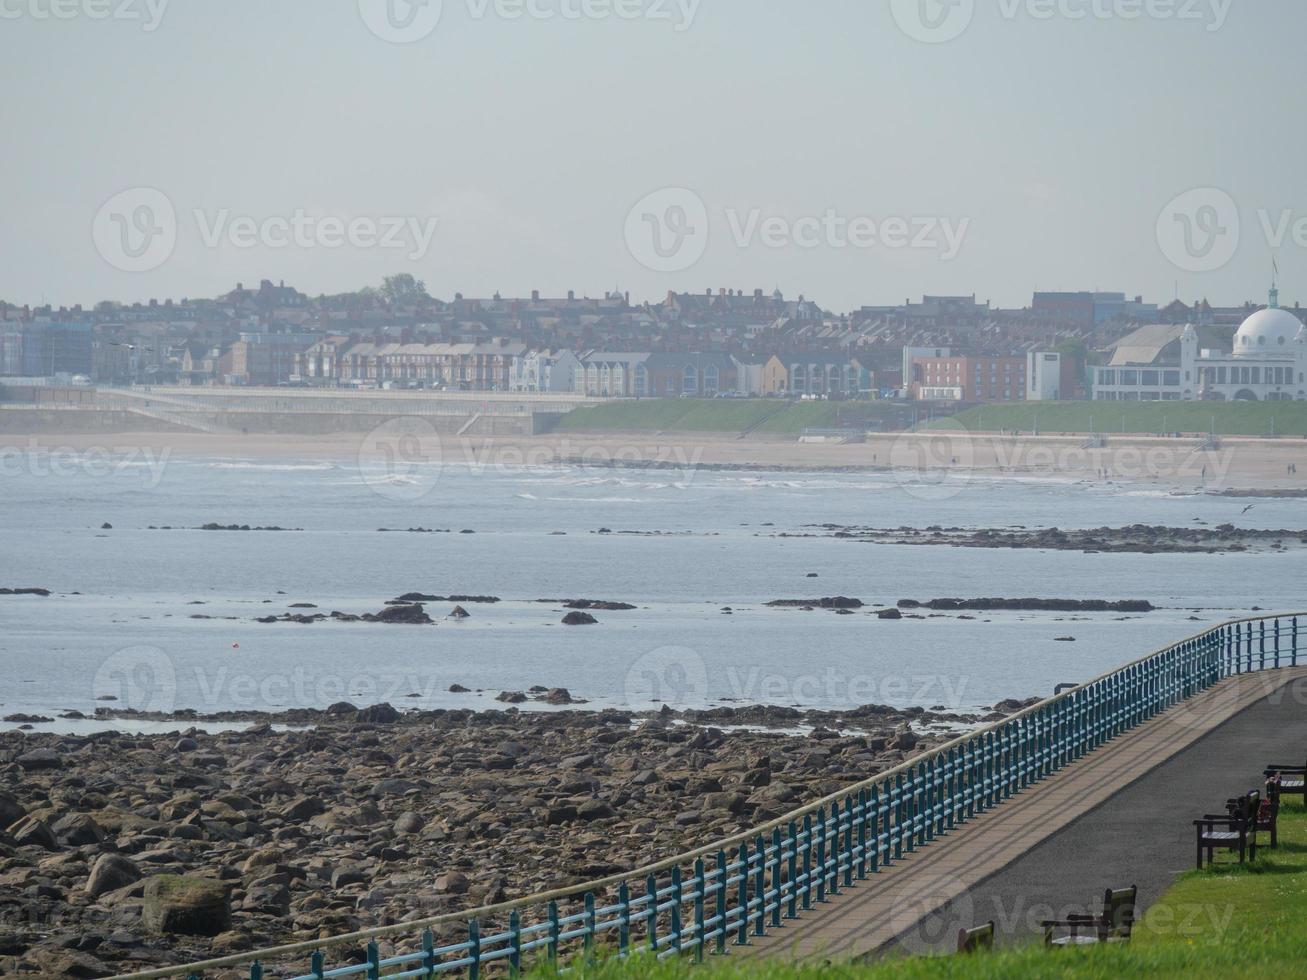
121	620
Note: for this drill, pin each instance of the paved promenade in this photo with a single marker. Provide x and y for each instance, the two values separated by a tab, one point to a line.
1121	815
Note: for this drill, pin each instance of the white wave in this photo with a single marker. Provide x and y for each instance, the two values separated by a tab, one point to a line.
273	467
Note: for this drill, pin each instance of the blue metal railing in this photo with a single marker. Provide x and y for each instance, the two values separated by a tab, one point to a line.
740	888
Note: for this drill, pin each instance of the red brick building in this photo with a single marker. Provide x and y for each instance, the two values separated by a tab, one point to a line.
969	379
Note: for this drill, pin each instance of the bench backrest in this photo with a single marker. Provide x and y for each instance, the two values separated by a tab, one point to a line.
1119	911
974	940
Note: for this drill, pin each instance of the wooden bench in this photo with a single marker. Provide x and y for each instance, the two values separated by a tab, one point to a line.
1293	780
1113	925
1234	831
1268	814
977	939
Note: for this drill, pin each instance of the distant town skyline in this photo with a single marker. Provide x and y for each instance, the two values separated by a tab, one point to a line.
842	150
1258	298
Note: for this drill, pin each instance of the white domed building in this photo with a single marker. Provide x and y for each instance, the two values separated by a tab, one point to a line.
1164	363
1268	363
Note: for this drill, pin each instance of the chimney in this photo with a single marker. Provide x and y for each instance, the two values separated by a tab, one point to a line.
721	292
535	296
571	295
757	294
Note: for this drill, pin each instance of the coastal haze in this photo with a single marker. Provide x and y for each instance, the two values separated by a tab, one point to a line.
453	451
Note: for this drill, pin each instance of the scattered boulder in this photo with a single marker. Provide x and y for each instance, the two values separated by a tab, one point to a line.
186	904
40	759
76	829
579	619
111	872
380	714
11	811
31	831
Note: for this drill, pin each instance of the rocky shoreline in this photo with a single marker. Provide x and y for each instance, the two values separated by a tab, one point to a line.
1144	539
131	851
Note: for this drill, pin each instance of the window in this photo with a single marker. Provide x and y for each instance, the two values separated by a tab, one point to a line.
1130	378
1107	377
1148	377
689	380
1170	377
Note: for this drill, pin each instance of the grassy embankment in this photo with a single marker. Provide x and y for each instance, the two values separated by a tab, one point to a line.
1211	925
726	415
1222	418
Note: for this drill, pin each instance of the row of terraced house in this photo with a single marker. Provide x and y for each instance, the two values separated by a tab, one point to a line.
502	365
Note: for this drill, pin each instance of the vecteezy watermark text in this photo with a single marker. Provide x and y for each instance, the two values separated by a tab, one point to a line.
97	461
668	230
407	21
1200	230
680	678
148	13
137	230
939	21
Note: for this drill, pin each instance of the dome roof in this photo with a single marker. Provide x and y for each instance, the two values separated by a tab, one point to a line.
1267	333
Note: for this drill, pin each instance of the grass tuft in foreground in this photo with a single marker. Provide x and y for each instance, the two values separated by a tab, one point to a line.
1215	924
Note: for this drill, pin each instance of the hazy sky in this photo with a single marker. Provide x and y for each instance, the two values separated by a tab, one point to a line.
850	150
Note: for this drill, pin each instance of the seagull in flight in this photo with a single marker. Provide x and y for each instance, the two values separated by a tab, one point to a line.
1247	509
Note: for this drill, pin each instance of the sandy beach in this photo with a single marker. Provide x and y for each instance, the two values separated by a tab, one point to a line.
1184	464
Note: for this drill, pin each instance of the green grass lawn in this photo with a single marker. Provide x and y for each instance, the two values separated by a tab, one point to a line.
728	415
1224	418
1233	921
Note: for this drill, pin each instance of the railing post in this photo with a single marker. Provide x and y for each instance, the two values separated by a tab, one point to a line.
624	919
318	964
807	861
760	887
792	910
700	888
850	846
819	832
834	850
742	930
374	961
256	970
898	816
651	889
862	834
428	954
554	930
777	885
514	943
474	949
876	828
589	939
722	875
678	897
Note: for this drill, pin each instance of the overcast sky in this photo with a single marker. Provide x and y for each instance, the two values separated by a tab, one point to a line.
856	151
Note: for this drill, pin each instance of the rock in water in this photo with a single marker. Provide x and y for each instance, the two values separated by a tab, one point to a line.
186	904
382	714
579	619
458	612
